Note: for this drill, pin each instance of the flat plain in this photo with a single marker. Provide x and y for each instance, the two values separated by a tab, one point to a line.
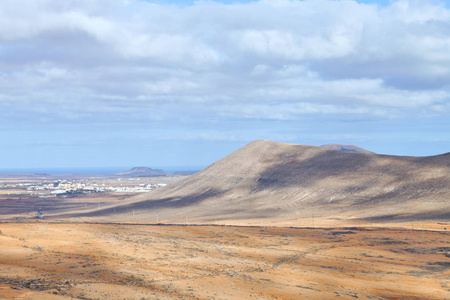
41	260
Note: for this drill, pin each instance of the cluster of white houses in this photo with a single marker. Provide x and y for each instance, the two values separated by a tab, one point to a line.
61	187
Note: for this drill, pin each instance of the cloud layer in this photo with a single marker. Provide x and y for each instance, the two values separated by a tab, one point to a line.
131	62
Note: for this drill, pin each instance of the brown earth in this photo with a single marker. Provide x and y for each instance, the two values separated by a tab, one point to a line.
113	261
294	185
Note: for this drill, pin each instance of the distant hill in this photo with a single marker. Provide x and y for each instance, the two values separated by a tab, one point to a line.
142	172
288	184
184	172
346	148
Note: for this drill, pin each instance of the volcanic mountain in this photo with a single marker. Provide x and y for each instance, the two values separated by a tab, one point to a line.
274	183
142	172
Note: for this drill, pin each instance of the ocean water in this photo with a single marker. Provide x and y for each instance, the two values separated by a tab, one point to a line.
91	170
57	171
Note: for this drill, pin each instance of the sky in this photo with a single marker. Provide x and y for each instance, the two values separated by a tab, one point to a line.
124	83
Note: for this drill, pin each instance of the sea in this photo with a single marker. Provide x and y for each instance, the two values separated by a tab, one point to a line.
92	170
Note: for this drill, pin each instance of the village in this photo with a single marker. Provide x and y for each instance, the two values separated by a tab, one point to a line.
49	188
25	196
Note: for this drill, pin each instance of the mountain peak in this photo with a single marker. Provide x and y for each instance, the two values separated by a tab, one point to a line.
346	148
288	183
142	172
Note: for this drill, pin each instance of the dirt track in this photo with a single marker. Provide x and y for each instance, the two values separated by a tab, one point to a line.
86	261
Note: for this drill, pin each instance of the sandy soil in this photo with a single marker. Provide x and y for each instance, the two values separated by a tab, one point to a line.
100	261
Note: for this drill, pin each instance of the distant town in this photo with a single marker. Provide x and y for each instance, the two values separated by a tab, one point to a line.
135	180
83	186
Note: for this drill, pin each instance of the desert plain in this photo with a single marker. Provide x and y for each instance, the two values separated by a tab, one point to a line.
42	260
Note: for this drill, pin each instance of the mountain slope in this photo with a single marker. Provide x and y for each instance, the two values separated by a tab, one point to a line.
288	184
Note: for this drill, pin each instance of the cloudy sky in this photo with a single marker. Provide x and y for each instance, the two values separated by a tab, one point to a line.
105	83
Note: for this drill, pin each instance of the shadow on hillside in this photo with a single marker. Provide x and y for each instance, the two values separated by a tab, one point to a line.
291	170
440	160
170	202
416	189
439	215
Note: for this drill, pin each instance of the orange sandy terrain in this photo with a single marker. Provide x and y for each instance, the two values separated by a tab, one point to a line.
107	261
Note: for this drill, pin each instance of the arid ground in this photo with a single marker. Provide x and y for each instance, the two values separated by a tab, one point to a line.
42	260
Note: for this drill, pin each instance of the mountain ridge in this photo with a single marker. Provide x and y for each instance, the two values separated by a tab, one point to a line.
142	172
346	148
286	183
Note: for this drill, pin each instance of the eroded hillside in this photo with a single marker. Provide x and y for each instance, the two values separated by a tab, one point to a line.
289	184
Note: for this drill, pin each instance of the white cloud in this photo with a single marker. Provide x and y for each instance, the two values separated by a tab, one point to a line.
268	59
